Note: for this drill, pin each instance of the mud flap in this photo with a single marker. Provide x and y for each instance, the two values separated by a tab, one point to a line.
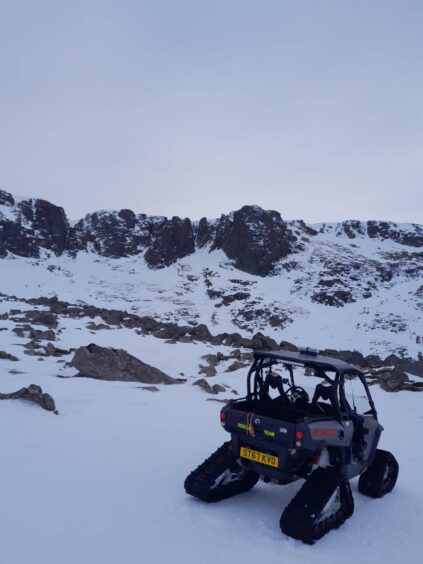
305	518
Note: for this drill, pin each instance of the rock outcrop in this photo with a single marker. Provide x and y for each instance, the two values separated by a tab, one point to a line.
106	363
33	394
253	238
7	356
122	234
29	225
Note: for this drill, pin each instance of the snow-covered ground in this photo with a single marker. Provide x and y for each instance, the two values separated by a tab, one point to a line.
388	320
102	482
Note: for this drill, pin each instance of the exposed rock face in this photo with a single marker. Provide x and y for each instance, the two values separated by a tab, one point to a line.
171	241
122	234
255	239
384	230
110	234
116	364
27	226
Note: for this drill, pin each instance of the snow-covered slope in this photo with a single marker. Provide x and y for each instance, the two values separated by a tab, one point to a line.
345	285
103	480
368	296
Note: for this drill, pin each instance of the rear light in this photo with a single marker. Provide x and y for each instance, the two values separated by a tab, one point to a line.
299	435
222	415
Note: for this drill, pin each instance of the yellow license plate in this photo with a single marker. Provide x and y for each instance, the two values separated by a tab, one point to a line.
260	457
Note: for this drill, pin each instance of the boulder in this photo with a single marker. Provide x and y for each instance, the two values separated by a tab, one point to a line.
106	363
261	342
373	361
208	371
7	356
96	326
213	359
32	345
200	332
48	335
204	385
34	394
391	360
171	331
51	350
236	365
41	318
411	366
392	381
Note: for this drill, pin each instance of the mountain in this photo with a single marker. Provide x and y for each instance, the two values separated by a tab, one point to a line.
354	283
99	317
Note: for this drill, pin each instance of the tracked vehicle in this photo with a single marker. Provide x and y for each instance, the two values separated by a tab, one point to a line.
279	435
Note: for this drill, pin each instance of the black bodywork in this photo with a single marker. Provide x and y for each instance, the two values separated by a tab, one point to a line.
280	434
296	428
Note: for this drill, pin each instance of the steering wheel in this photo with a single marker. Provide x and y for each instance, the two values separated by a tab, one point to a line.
296	393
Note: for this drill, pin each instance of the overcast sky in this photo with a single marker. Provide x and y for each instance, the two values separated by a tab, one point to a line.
194	108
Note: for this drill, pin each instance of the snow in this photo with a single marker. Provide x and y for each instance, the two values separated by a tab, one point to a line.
103	480
178	293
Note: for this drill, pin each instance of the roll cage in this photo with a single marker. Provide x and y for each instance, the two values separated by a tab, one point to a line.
258	384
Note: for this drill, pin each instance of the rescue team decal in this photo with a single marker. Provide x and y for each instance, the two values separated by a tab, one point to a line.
245	427
323	432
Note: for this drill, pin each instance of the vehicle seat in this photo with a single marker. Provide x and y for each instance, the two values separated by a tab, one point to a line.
326	393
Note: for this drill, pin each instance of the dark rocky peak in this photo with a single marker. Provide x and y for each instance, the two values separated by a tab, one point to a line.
122	233
170	240
29	225
254	238
111	234
405	234
205	232
6	199
351	228
410	235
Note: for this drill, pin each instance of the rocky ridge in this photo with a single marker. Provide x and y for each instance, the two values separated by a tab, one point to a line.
253	238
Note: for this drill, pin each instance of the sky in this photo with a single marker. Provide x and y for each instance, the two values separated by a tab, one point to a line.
195	108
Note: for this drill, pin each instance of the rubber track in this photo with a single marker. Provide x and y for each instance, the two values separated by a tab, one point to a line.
199	483
371	481
300	518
